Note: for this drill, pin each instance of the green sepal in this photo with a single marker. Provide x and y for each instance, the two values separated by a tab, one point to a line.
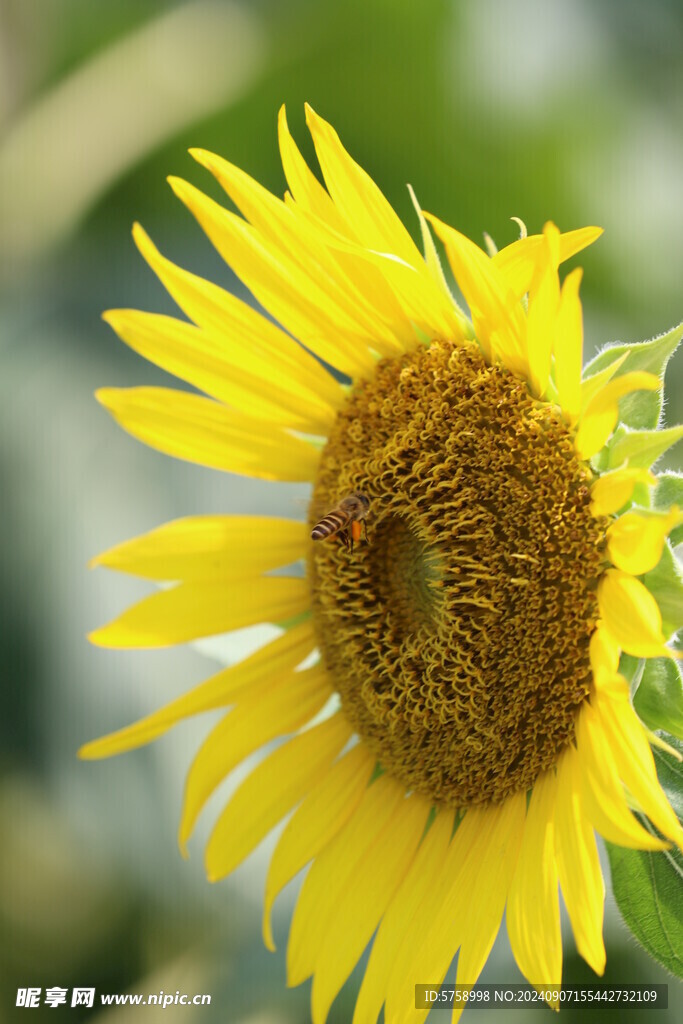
641	497
647	885
659	698
641	409
431	818
668	492
637	448
665	583
651	356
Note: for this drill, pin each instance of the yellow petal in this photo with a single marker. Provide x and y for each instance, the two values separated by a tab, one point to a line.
533	911
602	794
630	613
367	214
637	380
381	237
432	257
602	412
569	347
332	872
303	184
633	758
635	542
604	651
191	610
578	864
396	924
199	430
221	370
281	708
295	299
310	198
420	299
407	294
414	961
593	384
209	548
269	793
316	822
544	303
594	430
480	859
252	340
611	491
421	303
295	238
497	315
366	895
226	687
479	924
518	261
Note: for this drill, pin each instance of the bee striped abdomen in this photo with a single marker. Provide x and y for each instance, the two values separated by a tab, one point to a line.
332	523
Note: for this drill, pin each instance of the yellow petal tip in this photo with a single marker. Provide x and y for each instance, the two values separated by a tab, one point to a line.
180	187
211	869
141	238
202	156
105	396
594	231
97	637
313	120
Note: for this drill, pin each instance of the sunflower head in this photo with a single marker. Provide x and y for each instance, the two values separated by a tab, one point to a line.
483	563
450	692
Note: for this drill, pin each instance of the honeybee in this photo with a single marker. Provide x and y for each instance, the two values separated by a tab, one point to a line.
345	521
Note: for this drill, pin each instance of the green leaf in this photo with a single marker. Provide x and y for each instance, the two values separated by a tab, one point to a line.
641	409
647	889
631	669
670	774
668	492
659	697
647	886
638	448
665	583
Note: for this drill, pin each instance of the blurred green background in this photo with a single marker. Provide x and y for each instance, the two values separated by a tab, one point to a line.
539	108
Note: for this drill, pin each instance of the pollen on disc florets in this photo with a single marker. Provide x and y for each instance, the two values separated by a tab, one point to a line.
458	638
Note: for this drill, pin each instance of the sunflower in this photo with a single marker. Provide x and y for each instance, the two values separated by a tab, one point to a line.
454	727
